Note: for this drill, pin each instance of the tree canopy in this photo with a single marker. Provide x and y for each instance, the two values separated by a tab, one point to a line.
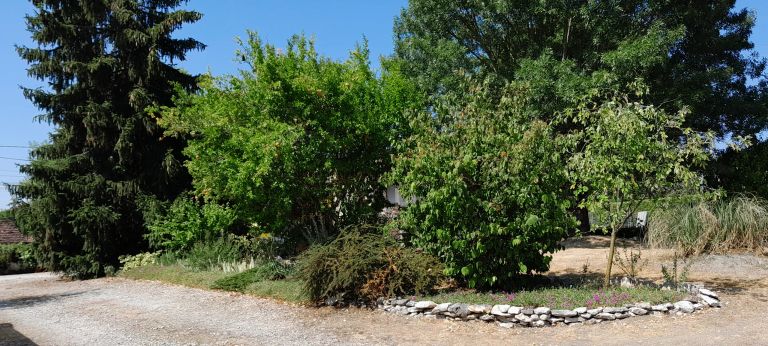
104	62
690	53
296	142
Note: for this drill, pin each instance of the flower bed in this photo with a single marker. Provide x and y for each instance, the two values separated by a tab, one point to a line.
509	316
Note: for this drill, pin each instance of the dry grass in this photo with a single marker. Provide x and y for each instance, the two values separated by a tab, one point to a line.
735	224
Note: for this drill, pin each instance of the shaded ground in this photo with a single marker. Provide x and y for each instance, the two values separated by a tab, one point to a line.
43	309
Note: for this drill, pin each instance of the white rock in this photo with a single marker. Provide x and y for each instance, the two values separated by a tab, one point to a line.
570	320
638	311
643	305
685	306
487	318
594	311
710	301
539	323
613	310
479	309
514	310
441	307
500	310
627	283
523	318
542	310
708	293
581	310
564	313
425	304
507	325
660	307
605	316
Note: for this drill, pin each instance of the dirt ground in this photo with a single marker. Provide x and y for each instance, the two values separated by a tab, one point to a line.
45	310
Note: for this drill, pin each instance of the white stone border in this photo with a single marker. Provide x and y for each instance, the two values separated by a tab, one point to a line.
514	316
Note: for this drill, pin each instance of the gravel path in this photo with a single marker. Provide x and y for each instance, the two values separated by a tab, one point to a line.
42	309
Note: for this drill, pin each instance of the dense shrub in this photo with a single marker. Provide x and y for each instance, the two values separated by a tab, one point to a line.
738	223
490	188
296	142
186	222
363	263
269	270
17	258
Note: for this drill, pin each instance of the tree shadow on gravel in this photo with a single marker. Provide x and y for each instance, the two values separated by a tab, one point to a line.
27	301
11	337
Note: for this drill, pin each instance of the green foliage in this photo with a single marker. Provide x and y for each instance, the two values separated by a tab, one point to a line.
104	63
210	255
564	297
677	274
694	54
365	264
129	262
186	223
631	262
297	142
489	186
733	224
175	273
269	270
17	258
742	171
626	156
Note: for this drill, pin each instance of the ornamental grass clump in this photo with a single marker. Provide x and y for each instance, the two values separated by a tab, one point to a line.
736	224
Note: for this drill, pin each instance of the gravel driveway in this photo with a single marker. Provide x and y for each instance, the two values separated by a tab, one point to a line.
42	309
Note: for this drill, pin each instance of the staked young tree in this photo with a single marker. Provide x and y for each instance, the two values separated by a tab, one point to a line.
105	62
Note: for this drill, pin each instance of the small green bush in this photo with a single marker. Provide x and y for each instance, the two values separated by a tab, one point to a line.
209	255
186	222
270	270
17	258
738	223
129	262
363	263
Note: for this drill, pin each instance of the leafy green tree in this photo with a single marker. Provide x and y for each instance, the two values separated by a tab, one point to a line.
624	156
490	189
105	62
694	54
741	171
297	142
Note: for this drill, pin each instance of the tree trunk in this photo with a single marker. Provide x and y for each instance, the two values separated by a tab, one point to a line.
582	214
611	252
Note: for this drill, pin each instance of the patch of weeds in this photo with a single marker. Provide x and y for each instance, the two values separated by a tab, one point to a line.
174	274
630	262
289	290
678	273
270	270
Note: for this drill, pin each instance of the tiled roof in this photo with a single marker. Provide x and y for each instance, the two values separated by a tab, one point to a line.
9	234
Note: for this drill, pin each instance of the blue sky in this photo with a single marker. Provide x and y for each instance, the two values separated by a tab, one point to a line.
336	26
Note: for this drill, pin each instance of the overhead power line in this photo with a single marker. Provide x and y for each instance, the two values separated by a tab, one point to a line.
13	159
16	146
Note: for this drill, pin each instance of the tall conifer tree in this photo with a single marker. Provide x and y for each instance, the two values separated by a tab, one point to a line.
105	62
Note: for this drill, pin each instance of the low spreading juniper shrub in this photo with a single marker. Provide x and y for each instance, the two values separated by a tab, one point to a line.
363	263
